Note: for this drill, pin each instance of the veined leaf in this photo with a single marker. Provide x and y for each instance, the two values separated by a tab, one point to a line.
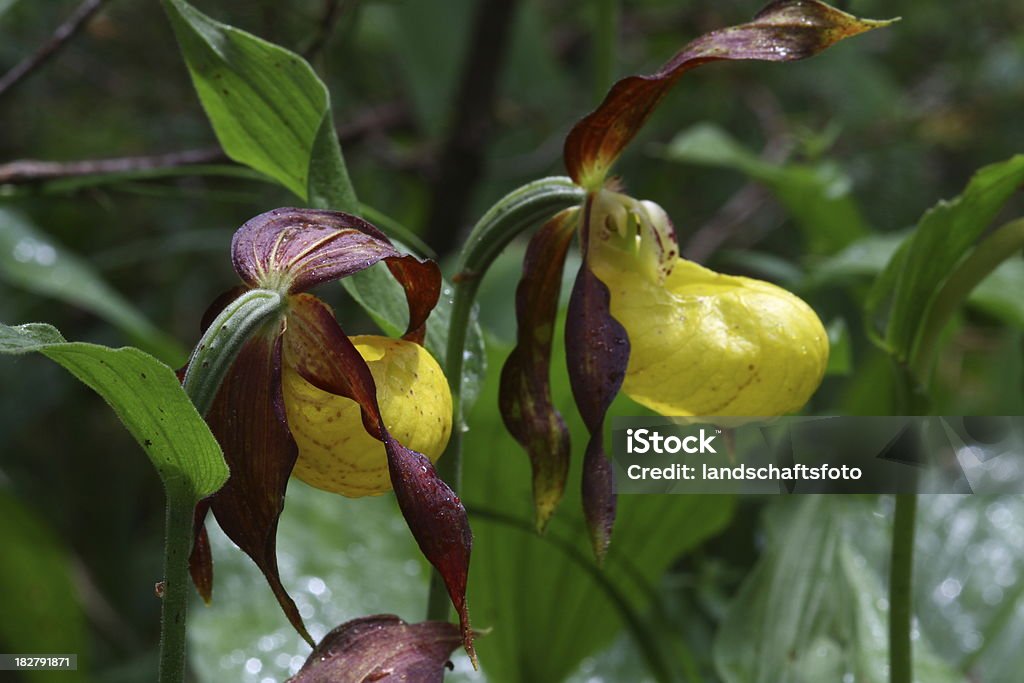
146	396
32	261
268	108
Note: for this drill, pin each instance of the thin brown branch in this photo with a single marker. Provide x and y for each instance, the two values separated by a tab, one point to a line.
25	171
64	33
32	170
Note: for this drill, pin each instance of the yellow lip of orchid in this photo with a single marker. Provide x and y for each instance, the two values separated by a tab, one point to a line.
704	343
335	452
701	343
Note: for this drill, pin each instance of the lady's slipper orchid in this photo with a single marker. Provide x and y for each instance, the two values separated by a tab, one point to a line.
676	337
356	416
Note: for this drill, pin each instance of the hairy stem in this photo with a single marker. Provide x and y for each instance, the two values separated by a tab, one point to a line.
901	575
177	546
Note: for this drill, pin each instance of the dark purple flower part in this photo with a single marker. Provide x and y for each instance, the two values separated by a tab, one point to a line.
292	250
525	395
381	649
784	31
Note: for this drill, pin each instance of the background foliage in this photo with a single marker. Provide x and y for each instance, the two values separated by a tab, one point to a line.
807	174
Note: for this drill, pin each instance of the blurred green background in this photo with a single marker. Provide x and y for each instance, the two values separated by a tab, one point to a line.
763	168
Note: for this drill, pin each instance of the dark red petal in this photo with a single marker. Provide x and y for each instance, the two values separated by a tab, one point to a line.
317	348
200	561
381	649
783	31
422	290
525	395
597	353
248	419
307	247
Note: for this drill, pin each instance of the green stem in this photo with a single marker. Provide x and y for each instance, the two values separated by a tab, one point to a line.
992	251
901	576
236	324
177	546
606	35
514	213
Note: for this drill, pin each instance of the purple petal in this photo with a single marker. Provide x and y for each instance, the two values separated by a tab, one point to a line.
200	560
783	31
324	356
381	649
301	248
597	353
525	395
247	417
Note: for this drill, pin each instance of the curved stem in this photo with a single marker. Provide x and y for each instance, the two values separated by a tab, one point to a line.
901	575
517	211
177	546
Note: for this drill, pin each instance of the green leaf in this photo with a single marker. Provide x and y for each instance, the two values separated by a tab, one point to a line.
905	292
146	396
329	184
267	106
41	608
816	195
383	299
867	257
997	295
544	597
32	261
811	610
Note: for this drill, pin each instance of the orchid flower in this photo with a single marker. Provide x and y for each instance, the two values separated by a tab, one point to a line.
352	415
673	335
